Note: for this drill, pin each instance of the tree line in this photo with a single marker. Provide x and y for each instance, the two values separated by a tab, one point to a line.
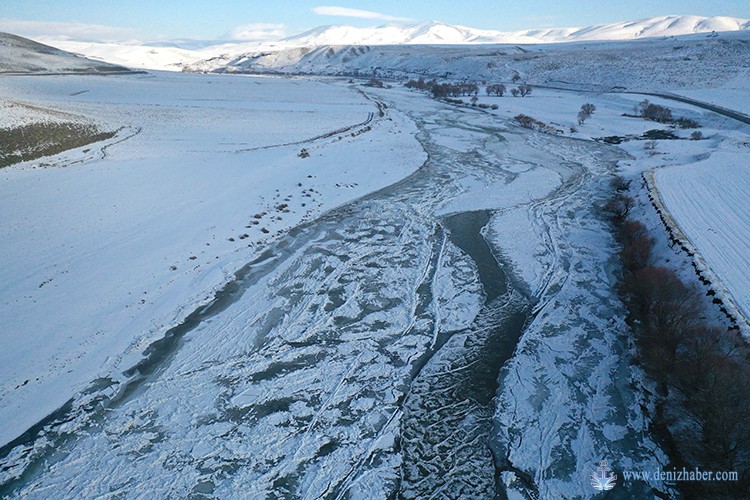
703	378
443	90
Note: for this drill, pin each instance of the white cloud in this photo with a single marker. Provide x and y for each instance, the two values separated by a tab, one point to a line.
257	32
361	14
68	31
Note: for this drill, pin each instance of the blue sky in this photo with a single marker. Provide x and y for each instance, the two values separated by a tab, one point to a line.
153	19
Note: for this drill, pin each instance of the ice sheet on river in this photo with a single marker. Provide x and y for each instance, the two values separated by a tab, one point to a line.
349	339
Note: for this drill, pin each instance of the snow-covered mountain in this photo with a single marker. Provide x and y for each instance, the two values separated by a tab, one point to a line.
428	33
432	33
177	55
705	60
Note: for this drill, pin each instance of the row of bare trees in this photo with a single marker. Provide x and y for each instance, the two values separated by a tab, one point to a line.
442	90
454	89
702	371
498	89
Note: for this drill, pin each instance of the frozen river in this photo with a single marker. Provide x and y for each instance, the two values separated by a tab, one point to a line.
374	352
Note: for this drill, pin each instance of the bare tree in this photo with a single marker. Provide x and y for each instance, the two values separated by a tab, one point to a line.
524	90
720	409
588	108
664	308
657	113
515	92
496	89
640	108
586	111
619	206
619	183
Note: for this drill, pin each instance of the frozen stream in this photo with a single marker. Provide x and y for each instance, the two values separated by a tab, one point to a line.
356	357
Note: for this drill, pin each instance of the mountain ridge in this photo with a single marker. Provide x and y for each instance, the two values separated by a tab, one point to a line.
436	32
176	55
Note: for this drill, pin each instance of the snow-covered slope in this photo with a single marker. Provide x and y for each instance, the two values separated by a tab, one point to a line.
656	27
156	56
428	33
20	55
431	33
177	55
138	229
690	61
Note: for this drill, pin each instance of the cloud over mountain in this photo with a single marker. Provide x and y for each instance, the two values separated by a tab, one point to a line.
257	32
356	13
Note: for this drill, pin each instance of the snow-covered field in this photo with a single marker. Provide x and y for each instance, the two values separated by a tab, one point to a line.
709	201
107	246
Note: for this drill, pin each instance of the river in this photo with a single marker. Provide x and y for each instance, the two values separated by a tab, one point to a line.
319	365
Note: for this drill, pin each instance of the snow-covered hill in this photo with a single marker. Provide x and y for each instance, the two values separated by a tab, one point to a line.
179	54
433	33
652	64
21	55
156	56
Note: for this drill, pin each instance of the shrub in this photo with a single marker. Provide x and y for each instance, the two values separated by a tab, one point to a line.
656	134
29	142
687	123
525	120
619	183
